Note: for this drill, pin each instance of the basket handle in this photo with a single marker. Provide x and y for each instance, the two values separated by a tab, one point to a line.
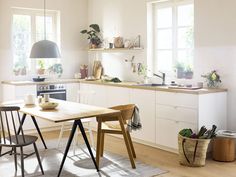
195	150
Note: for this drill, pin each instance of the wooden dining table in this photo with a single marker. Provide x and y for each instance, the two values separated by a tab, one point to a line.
66	111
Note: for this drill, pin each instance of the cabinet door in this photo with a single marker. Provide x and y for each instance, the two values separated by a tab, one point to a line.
145	100
21	91
99	97
72	91
118	96
167	132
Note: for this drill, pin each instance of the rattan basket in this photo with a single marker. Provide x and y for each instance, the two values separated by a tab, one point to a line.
192	152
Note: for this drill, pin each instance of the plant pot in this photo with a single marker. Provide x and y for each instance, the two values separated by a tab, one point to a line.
93	46
189	75
40	71
180	73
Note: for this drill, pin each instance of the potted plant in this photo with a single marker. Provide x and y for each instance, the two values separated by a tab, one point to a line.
188	73
56	69
93	35
213	79
41	69
180	70
142	71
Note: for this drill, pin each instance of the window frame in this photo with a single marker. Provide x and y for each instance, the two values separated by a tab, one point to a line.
152	61
33	13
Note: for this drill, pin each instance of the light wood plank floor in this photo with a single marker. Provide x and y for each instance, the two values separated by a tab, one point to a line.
165	160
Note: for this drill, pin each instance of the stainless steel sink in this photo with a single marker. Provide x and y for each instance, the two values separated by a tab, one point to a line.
151	85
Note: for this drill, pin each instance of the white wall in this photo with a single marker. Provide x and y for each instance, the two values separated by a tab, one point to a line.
215	39
125	18
74	17
215	43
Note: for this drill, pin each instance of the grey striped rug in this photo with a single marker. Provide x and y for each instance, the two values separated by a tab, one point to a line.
78	165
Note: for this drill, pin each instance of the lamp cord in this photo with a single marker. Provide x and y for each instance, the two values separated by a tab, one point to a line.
45	33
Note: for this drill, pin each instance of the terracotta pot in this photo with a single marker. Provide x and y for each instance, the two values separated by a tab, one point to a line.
40	71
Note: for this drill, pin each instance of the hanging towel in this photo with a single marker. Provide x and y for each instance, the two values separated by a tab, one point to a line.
135	122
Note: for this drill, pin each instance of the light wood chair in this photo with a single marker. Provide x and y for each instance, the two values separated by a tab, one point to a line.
83	97
9	119
116	125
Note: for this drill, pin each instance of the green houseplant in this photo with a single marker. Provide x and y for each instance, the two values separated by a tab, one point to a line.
93	35
213	79
180	70
188	72
56	69
41	68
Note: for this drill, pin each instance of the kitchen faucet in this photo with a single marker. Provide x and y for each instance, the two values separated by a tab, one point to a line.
163	77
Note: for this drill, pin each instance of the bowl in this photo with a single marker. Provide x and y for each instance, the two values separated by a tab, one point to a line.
48	105
38	79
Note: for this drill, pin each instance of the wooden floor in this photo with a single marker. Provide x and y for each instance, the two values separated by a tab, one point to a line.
165	160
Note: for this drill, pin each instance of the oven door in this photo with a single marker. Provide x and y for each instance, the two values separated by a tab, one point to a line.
57	94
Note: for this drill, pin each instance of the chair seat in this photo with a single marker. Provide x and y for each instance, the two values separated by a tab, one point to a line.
28	140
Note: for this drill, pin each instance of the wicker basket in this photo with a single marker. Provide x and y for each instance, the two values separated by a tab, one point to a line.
192	152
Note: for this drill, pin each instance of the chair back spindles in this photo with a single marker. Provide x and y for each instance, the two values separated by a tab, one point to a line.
8	128
21	129
14	126
2	129
8	119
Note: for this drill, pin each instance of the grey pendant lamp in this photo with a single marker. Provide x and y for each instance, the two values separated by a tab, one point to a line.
45	48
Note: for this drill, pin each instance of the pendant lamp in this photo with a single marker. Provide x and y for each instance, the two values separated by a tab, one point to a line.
45	48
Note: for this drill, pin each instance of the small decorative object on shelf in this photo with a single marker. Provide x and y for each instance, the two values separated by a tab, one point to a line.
118	42
94	35
213	79
193	146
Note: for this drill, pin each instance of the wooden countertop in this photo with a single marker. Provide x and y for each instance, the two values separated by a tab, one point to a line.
122	84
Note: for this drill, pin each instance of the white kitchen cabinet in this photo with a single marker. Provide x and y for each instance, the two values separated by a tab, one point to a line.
145	100
72	91
99	96
118	96
13	92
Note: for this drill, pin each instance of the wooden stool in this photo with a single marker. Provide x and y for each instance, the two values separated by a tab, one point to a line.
223	149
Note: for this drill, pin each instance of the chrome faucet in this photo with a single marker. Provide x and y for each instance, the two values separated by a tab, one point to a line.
163	77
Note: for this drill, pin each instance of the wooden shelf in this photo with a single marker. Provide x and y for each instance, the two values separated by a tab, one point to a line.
114	49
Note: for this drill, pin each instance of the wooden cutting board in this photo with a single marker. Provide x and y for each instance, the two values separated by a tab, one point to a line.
97	69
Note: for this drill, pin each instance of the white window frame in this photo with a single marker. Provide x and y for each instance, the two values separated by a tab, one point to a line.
33	13
151	34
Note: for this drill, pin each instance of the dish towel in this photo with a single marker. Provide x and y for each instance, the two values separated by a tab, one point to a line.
135	122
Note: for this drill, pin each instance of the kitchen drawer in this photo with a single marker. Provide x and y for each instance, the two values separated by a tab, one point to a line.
177	113
177	99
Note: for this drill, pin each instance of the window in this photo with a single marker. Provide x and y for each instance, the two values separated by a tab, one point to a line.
172	33
28	28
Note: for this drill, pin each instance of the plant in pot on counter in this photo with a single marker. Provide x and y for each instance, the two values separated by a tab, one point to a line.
189	72
41	69
213	79
180	70
56	69
94	36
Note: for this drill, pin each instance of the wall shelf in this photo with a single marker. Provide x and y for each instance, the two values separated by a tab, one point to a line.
114	49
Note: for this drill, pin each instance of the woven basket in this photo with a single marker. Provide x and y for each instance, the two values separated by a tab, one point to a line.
192	152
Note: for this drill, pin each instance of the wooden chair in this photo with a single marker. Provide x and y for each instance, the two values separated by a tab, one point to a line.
9	119
83	97
109	125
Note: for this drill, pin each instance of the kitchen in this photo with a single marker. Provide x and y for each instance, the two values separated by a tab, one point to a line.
214	41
